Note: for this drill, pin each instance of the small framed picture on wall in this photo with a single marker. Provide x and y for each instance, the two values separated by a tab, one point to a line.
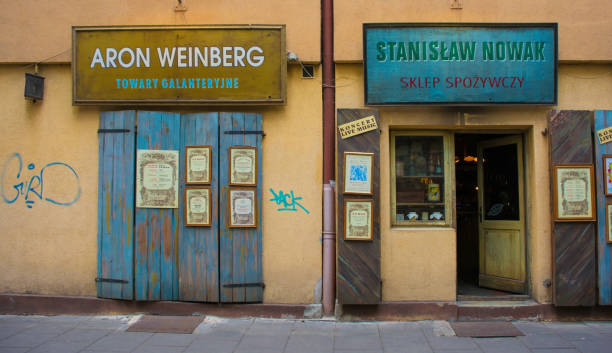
358	173
197	164
607	174
197	206
609	222
358	219
573	193
242	208
243	165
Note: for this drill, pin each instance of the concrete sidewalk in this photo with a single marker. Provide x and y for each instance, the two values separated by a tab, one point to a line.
96	334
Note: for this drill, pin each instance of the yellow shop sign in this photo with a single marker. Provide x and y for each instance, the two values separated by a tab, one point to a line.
179	64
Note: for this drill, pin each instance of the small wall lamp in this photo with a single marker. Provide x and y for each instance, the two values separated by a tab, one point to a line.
34	86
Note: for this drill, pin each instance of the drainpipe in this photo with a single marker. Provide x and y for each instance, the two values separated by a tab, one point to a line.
329	133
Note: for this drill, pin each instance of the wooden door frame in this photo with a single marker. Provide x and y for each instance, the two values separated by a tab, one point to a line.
526	136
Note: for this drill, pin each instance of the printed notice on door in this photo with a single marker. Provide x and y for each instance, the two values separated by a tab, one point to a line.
574	195
157	179
242	208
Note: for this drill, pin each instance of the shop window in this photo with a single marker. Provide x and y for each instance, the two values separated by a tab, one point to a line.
420	183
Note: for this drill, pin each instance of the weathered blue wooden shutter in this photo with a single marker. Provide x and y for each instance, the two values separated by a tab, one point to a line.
239	248
603	119
157	229
199	246
116	205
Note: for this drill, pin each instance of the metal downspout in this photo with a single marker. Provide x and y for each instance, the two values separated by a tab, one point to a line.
329	123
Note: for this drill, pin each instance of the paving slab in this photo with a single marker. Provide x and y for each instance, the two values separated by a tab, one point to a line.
501	345
367	341
13	350
82	335
211	346
263	342
546	341
170	340
60	347
120	341
26	340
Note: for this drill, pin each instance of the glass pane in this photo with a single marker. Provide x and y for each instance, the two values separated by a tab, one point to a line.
419	178
501	184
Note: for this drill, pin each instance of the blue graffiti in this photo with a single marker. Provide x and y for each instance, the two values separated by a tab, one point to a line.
288	201
33	187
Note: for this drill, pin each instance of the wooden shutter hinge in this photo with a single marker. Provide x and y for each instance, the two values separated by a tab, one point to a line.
111	280
108	131
242	285
239	132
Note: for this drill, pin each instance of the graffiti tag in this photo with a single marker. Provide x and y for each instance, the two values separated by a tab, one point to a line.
32	188
288	201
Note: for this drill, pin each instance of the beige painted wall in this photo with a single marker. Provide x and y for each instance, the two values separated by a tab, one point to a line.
52	249
420	263
46	25
585	27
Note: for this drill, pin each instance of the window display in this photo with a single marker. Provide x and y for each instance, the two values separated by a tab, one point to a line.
418	178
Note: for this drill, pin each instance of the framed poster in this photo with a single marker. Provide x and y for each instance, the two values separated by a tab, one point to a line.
358	219
197	164
197	206
358	173
573	193
609	222
157	178
607	177
242	208
243	165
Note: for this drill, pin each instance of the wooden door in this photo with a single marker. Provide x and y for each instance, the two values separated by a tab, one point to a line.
501	214
149	253
198	246
156	229
115	277
241	277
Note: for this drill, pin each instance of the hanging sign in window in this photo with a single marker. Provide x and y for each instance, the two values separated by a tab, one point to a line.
421	63
179	64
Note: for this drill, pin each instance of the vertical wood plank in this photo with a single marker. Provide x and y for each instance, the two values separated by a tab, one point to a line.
603	119
198	246
157	229
116	205
254	273
358	264
574	256
240	248
225	234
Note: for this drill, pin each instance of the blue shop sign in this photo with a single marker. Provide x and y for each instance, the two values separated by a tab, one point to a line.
460	64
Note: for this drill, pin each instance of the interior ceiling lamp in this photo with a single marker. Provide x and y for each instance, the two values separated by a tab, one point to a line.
34	85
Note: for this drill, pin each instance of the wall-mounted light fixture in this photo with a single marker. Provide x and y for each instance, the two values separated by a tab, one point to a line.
34	86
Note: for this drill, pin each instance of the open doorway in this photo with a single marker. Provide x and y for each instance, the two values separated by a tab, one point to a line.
490	216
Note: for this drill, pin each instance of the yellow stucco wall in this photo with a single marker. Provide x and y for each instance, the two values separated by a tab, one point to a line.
584	27
45	25
420	263
51	249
